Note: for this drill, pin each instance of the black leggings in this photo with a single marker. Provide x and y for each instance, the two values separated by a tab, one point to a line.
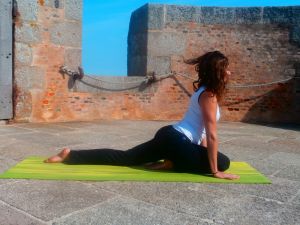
167	143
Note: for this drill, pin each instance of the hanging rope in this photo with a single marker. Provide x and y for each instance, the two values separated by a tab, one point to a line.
252	85
148	79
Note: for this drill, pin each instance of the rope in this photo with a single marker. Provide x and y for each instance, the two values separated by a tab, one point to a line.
251	85
262	84
144	79
151	77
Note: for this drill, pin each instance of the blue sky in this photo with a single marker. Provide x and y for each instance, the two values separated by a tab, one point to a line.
105	29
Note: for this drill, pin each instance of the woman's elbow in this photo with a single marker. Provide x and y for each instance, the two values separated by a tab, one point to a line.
212	137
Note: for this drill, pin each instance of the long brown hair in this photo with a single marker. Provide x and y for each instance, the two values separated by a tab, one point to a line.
211	68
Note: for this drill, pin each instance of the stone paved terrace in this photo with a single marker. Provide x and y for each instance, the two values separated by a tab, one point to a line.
275	151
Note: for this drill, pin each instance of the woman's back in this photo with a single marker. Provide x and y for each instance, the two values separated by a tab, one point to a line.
192	124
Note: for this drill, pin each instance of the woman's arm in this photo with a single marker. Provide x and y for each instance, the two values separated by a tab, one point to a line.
208	103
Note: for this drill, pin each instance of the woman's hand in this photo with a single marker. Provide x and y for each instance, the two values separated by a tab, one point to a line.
228	176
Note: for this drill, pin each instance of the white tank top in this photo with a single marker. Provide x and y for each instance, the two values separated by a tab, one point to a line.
192	125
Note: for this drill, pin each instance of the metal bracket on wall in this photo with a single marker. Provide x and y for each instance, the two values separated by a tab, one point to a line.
74	74
14	8
56	4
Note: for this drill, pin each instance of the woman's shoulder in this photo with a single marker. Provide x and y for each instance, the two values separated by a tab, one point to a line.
204	94
200	89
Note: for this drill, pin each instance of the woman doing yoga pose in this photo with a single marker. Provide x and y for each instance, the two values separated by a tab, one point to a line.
191	145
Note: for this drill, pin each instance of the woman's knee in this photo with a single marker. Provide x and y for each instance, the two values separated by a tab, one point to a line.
223	162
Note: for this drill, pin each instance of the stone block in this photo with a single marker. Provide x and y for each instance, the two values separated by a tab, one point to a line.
28	10
216	15
251	15
166	43
296	15
295	34
137	45
176	13
137	66
73	58
23	53
67	34
155	17
59	4
73	10
28	77
6	101
159	64
281	15
139	21
28	33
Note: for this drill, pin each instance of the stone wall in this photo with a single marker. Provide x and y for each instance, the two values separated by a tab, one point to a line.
47	35
262	44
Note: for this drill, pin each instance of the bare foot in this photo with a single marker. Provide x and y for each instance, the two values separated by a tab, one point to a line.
165	165
60	157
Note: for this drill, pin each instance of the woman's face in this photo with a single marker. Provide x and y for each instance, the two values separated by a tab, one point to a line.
227	75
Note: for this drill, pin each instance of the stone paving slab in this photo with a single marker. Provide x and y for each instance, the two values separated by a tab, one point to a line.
11	215
124	210
47	200
273	150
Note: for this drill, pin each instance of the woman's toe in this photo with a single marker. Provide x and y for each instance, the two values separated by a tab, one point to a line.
54	159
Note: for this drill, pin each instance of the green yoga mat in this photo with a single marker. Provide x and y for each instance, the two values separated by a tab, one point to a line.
35	168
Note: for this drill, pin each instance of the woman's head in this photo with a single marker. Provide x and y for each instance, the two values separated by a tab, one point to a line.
212	68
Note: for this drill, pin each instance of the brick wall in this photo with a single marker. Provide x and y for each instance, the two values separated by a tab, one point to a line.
262	44
47	35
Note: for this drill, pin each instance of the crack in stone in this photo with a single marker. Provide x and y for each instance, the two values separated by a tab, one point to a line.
23	212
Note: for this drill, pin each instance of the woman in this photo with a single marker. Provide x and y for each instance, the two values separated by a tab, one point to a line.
190	145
